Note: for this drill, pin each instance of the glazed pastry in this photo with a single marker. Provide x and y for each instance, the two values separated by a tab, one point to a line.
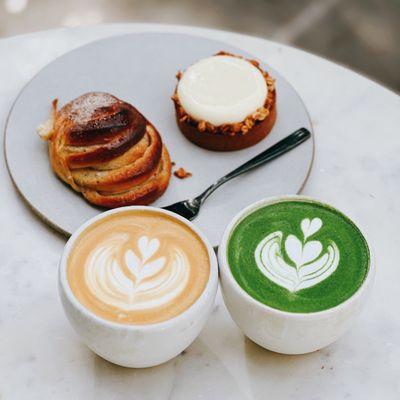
225	102
106	149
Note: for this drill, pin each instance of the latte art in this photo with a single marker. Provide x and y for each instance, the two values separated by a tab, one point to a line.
298	256
141	282
307	265
139	268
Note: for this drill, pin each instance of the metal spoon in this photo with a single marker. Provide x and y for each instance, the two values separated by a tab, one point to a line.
189	209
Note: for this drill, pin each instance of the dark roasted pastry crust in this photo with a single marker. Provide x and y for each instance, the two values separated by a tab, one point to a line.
114	158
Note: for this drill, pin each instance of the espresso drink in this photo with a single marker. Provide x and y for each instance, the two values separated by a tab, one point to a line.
138	267
298	256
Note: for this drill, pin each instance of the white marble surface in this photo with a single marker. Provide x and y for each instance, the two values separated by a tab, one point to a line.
357	168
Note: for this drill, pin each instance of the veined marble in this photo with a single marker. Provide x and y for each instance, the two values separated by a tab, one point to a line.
356	168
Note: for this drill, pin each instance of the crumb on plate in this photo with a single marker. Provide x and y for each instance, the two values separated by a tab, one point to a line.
181	173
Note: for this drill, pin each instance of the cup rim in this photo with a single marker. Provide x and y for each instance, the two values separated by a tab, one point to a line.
198	303
225	268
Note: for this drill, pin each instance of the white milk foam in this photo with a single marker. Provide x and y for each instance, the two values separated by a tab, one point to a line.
308	265
145	281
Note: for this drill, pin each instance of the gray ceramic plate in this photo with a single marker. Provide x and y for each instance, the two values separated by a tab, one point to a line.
140	69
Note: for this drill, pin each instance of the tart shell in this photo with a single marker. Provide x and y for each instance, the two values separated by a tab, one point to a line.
222	142
229	137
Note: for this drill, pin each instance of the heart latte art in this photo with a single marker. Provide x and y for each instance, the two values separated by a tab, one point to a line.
138	267
298	256
130	281
309	265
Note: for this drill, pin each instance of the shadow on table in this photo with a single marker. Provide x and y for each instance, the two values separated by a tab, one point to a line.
280	375
195	373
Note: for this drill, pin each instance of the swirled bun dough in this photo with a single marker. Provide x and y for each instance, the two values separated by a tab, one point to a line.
107	150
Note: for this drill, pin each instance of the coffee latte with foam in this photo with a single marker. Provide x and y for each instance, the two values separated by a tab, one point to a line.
138	267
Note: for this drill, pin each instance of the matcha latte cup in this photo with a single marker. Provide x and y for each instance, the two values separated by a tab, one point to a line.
294	272
138	284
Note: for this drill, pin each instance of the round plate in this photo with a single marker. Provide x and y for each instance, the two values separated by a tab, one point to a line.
141	69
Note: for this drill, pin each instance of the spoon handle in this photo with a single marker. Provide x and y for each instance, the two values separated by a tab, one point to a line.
282	147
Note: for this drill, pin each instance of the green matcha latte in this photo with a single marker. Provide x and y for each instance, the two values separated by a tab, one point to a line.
299	256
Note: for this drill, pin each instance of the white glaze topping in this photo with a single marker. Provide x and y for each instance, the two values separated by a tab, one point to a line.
222	90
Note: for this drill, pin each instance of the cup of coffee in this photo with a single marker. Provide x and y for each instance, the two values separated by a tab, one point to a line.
294	273
137	284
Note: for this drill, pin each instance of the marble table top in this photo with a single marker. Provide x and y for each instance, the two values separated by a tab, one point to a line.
356	168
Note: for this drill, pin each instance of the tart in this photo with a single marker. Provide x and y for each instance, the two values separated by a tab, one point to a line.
105	149
225	102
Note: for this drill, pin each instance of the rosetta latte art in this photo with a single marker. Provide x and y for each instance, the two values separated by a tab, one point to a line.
138	267
136	280
307	266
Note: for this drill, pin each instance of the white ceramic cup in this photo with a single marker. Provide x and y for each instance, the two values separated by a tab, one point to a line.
281	331
138	345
